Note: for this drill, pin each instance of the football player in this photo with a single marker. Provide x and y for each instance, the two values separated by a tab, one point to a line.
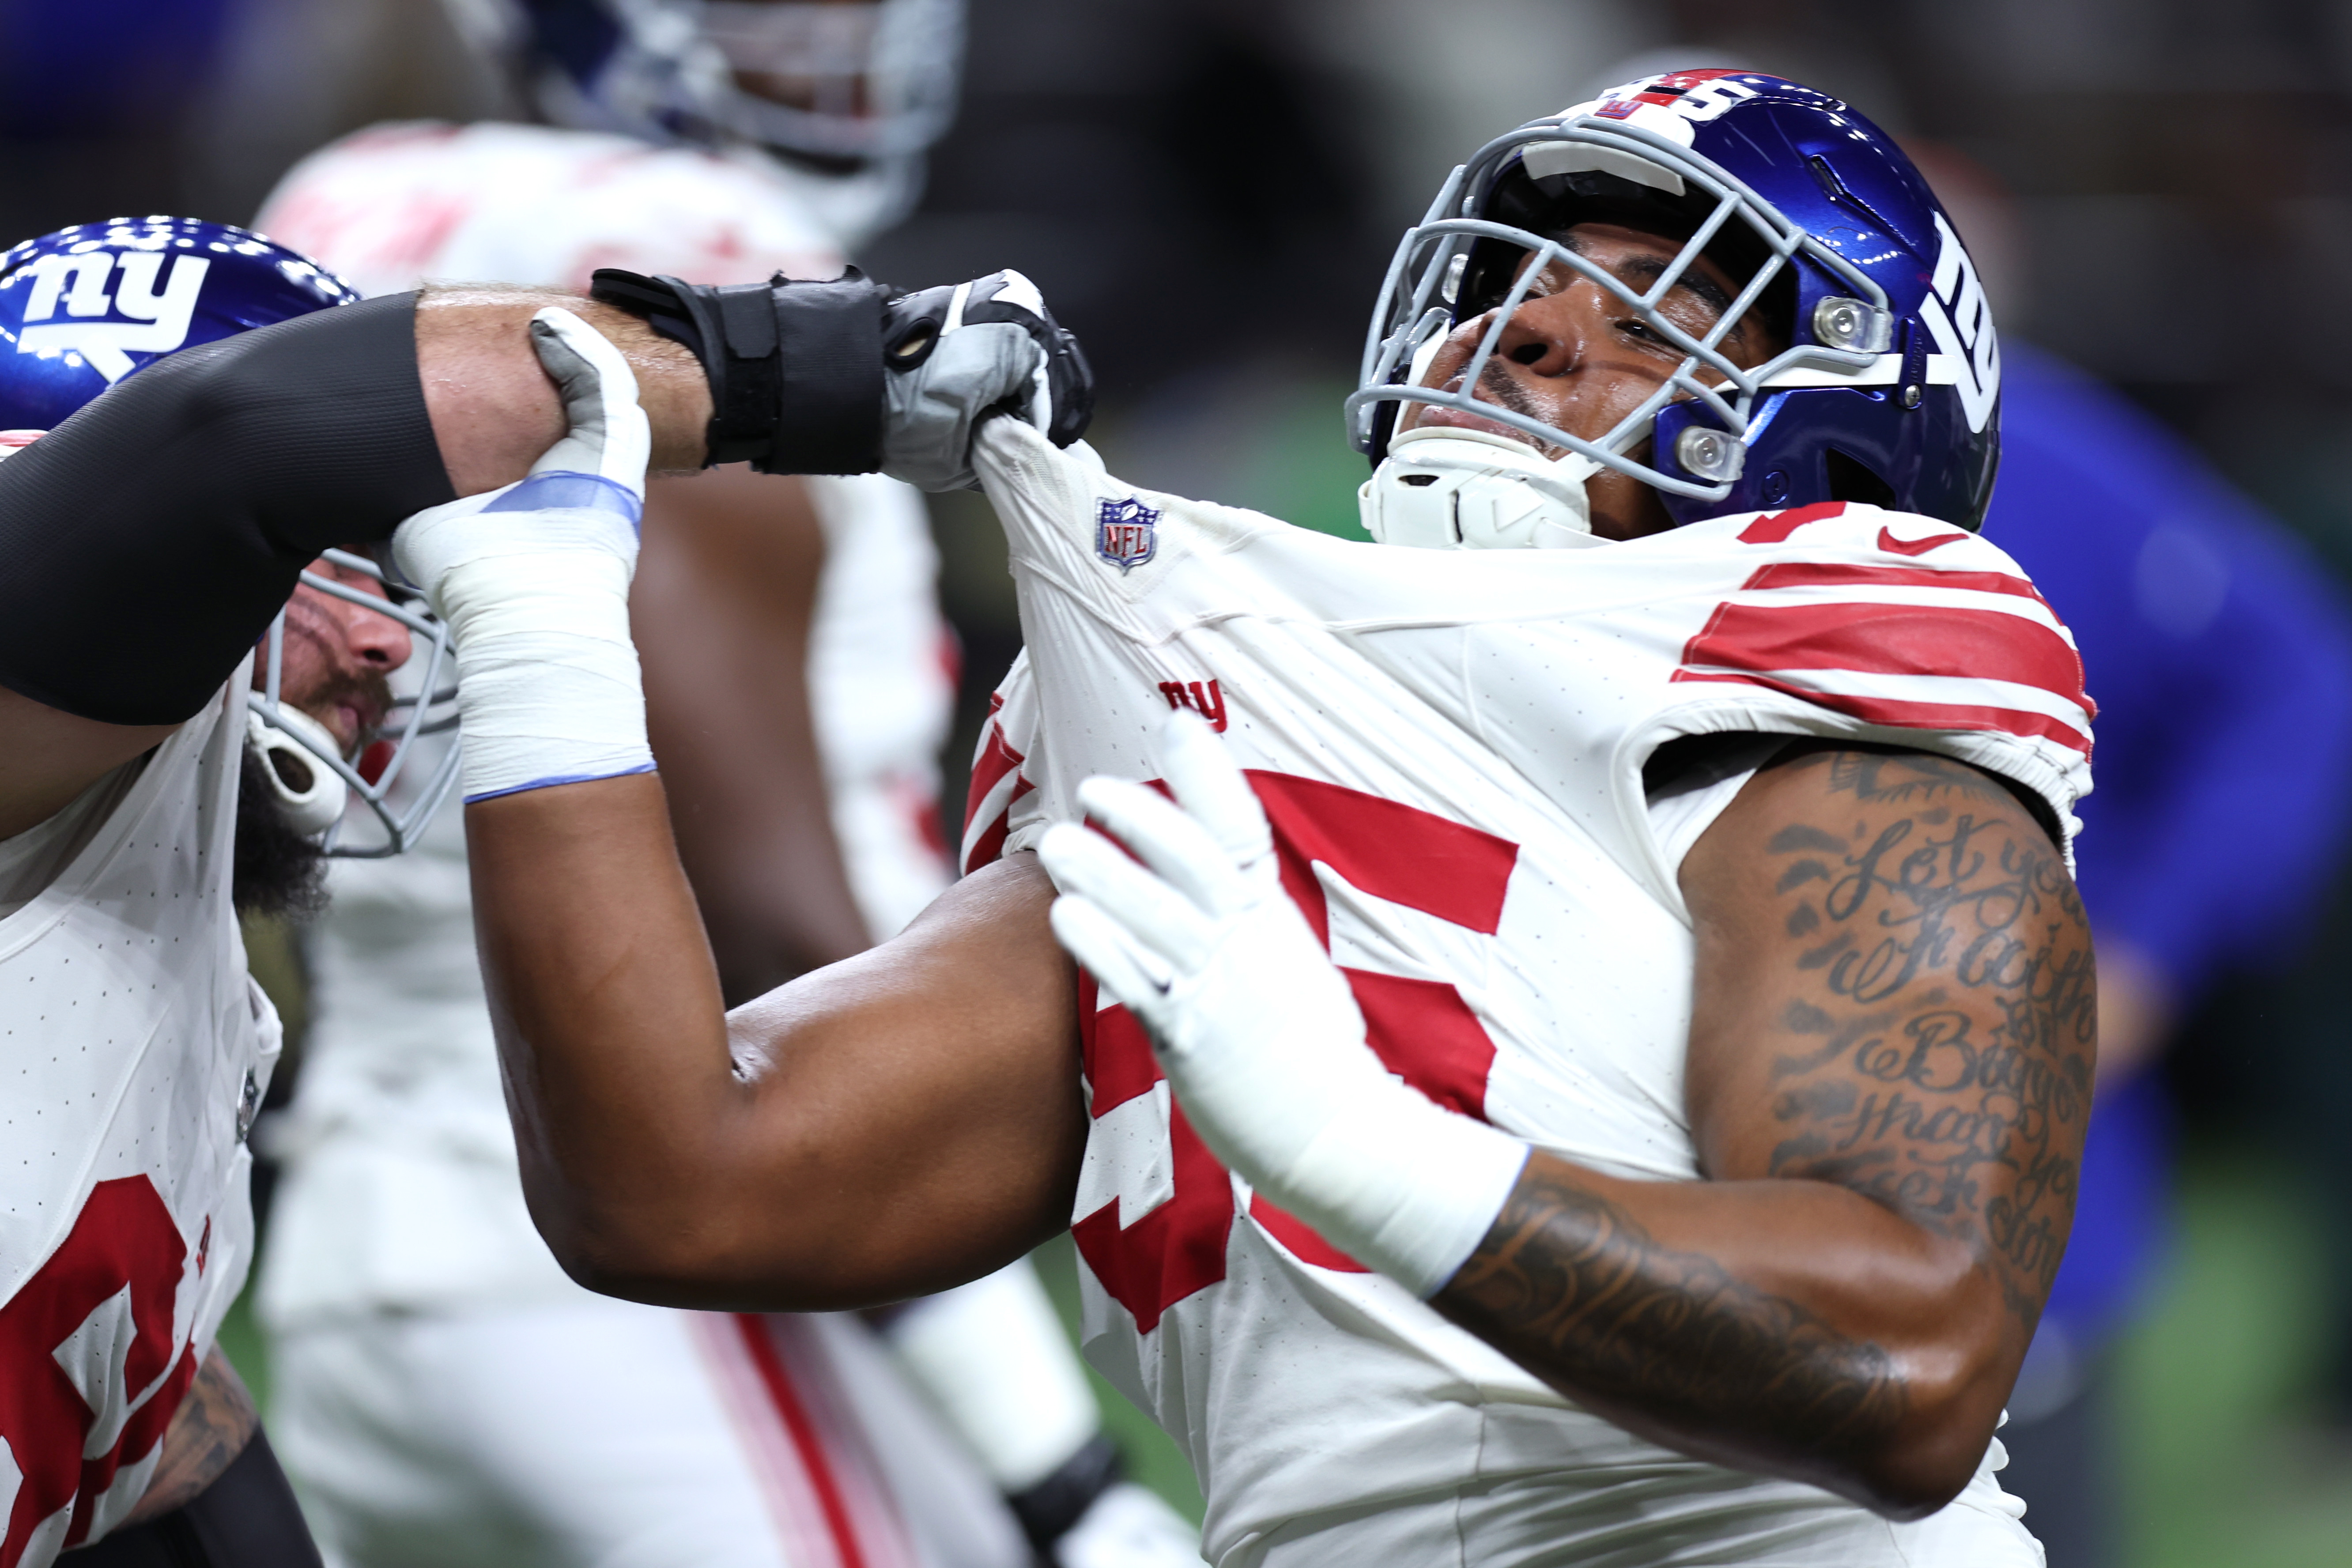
427	1398
1604	1080
144	802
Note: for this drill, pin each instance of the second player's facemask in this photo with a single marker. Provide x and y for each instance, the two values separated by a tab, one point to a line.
378	802
1885	389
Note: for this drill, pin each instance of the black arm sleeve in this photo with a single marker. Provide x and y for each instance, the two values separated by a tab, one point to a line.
147	541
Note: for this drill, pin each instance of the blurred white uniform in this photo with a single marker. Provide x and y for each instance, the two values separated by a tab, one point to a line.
139	1048
1450	746
443	1394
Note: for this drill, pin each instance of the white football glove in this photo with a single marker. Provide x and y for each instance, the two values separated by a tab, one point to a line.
952	356
1257	1030
533	581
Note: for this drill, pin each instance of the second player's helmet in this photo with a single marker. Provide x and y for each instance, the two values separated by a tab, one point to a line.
1887	390
84	308
868	82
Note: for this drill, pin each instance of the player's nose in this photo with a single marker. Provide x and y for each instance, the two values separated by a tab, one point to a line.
1548	336
373	638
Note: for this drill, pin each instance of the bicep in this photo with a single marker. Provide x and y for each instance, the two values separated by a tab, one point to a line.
928	1090
1894	993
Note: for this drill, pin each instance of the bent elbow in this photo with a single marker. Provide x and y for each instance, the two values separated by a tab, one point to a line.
1904	1495
672	1259
1929	1459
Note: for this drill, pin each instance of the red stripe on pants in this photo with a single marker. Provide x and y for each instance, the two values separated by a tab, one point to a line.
803	1431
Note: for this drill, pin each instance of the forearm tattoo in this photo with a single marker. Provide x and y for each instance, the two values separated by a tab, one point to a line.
208	1432
1942	1061
1673	1333
1931	968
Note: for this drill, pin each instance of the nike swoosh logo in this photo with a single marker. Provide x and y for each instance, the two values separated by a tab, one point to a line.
1888	542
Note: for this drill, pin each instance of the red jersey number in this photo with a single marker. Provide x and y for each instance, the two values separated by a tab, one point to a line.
1421	1028
87	1333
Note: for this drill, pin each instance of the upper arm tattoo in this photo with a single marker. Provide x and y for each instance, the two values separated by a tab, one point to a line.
1937	1044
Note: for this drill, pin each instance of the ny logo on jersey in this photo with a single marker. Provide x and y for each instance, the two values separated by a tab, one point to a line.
1127	534
104	331
1206	699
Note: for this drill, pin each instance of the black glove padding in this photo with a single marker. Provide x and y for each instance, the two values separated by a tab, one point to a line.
956	354
795	367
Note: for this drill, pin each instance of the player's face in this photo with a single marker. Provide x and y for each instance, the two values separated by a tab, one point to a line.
1574	356
338	655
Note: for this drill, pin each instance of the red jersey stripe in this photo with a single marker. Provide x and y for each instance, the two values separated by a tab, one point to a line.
1891	639
996	759
1774	527
1830	574
1912	715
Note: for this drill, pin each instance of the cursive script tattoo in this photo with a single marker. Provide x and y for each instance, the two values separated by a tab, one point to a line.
1939	1037
1895	995
1673	1333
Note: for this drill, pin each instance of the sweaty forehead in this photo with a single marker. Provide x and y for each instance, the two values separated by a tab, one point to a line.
1637	257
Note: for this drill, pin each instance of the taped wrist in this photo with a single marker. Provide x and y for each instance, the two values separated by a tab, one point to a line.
1403	1185
794	367
148	540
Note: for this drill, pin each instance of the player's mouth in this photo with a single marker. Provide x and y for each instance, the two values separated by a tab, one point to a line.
352	712
1496	387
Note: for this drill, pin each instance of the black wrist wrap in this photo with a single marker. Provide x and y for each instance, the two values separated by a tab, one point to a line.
147	542
795	367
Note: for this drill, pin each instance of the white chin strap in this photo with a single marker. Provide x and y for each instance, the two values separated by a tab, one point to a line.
1445	488
294	748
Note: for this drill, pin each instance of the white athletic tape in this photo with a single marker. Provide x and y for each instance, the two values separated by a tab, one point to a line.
533	581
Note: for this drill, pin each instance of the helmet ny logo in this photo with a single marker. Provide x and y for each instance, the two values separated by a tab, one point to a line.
107	333
1961	323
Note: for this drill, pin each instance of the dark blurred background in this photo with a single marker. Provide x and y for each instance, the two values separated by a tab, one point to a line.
2159	191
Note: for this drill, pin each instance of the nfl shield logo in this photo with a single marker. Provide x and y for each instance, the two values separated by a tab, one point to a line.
1125	534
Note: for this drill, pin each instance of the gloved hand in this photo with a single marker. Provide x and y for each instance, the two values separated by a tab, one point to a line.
1255	1028
533	581
954	355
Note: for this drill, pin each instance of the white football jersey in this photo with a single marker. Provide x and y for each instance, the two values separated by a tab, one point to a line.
138	1050
1450	748
392	205
401	1190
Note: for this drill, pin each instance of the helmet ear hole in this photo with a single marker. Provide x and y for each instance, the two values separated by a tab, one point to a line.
1851	480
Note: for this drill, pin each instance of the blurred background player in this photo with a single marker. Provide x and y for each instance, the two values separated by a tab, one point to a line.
430	1358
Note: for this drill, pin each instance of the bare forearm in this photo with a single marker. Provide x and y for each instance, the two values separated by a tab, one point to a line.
494	410
1790	1327
891	1125
612	1038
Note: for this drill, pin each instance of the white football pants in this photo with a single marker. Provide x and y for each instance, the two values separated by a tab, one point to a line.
591	1433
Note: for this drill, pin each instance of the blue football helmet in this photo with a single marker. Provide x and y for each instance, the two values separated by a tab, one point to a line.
84	308
878	80
1888	389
